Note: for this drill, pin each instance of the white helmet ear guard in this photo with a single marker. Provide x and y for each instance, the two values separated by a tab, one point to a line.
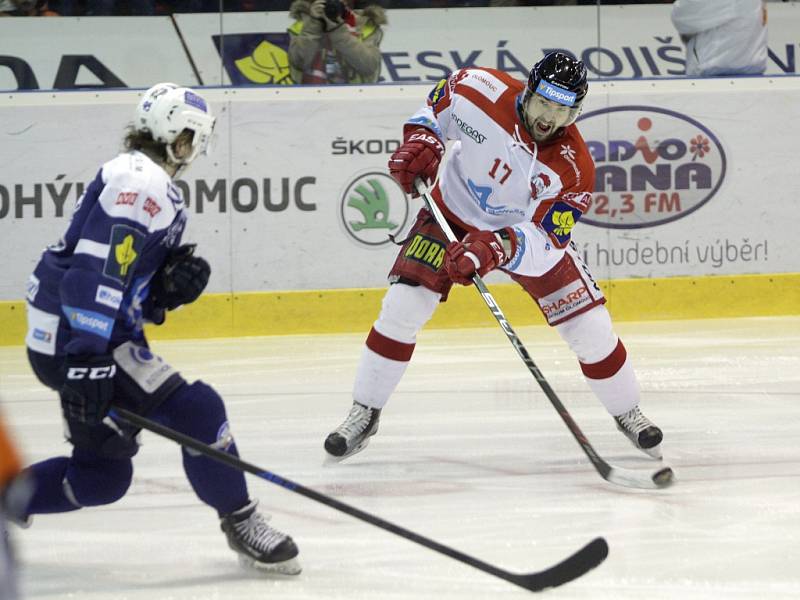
166	110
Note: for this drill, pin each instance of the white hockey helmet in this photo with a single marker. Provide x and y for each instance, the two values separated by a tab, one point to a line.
166	110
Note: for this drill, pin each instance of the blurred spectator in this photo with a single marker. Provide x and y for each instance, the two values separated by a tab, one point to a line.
330	42
103	8
25	8
531	2
722	37
14	492
156	7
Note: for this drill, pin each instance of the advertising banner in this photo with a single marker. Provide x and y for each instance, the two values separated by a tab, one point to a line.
691	180
426	45
96	52
419	45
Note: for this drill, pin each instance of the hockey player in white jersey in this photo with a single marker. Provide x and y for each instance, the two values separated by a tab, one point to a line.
517	180
119	264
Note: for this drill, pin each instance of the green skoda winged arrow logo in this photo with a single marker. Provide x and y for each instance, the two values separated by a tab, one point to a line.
373	204
372	207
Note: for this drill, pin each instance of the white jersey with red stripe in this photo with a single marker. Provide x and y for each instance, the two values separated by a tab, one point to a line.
496	176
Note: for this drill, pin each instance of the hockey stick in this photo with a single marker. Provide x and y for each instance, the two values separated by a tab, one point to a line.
627	477
570	568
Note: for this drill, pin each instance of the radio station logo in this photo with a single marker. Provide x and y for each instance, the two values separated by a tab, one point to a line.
373	207
653	166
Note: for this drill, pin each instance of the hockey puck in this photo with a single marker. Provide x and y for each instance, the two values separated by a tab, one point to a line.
664	477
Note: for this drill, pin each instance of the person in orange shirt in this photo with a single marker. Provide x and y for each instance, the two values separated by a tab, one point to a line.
11	486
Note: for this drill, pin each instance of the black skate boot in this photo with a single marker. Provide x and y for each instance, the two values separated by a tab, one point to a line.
257	544
353	435
640	431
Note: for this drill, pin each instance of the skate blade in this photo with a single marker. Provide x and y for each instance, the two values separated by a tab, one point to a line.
654	452
286	567
330	459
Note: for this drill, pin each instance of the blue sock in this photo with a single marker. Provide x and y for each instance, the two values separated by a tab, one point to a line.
64	484
198	411
48	495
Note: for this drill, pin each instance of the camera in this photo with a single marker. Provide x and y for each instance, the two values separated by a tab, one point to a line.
334	10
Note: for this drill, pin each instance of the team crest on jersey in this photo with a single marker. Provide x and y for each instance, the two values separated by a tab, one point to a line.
425	250
539	184
125	247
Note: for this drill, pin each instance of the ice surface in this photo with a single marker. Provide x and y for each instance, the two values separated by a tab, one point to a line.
469	453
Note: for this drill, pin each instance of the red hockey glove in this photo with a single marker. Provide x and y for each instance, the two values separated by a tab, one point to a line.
419	156
480	251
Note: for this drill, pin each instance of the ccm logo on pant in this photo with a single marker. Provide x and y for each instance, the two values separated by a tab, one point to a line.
93	373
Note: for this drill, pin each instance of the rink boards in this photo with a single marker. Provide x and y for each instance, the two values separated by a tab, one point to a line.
694	214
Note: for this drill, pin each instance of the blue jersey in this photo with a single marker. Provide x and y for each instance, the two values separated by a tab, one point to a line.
88	292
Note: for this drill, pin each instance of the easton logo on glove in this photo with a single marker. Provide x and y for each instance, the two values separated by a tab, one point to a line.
418	157
428	138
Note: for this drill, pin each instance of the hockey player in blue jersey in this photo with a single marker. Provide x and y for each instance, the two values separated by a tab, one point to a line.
120	263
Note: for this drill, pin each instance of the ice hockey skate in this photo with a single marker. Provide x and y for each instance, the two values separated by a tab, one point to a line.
353	434
259	545
640	431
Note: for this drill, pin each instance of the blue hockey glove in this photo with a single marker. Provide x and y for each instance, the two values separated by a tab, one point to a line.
88	388
180	280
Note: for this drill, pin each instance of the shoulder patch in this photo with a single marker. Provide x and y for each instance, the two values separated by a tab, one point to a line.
562	216
440	91
485	83
125	247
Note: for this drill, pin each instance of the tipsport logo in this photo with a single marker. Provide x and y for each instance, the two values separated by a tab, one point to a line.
653	166
556	94
373	207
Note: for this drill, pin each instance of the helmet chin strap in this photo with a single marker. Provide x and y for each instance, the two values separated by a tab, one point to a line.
179	164
522	110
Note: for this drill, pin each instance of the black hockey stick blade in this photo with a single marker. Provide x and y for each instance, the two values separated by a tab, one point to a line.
572	567
584	560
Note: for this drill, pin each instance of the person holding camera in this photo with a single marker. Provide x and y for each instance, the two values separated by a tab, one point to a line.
330	42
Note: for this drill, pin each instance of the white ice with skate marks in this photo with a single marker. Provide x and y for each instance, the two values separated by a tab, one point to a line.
469	453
